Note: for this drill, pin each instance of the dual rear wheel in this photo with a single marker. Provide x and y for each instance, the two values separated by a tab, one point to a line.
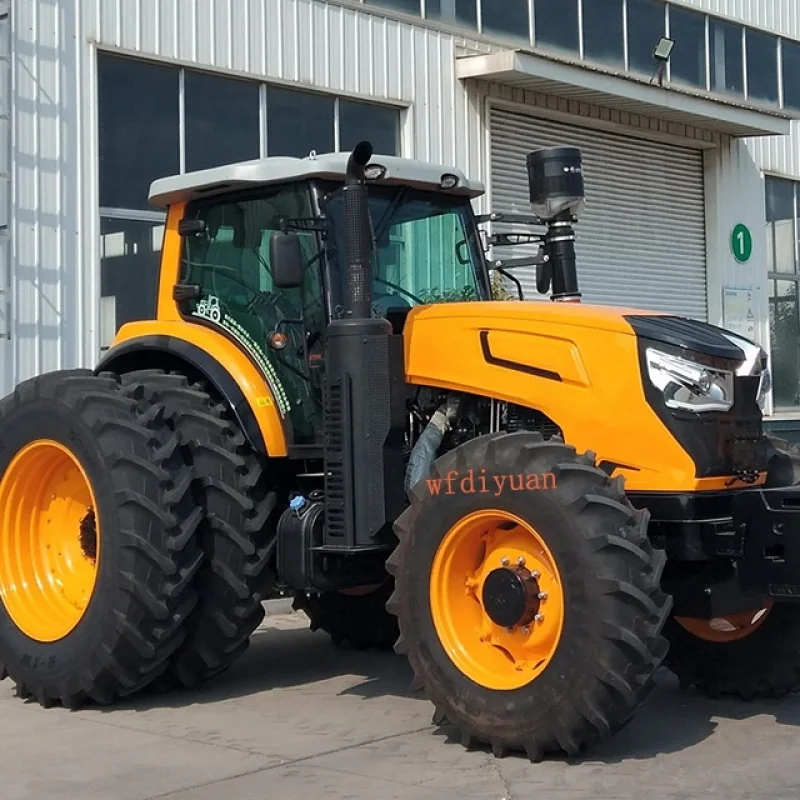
136	530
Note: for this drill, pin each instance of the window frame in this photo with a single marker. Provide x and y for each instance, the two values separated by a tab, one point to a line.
495	36
789	277
150	215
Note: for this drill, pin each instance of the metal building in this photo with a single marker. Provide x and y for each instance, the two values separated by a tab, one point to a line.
692	164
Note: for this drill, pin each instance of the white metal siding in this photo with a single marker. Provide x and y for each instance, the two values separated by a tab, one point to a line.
54	229
307	43
641	238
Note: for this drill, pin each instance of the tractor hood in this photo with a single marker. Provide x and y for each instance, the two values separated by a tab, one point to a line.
658	393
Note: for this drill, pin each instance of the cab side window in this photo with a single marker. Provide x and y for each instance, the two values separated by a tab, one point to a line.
230	261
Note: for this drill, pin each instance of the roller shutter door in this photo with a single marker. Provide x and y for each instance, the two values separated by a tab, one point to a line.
641	237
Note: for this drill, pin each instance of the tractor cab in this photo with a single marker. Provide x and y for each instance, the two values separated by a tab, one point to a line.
264	257
264	254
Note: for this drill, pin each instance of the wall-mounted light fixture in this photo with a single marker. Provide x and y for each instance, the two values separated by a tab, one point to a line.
662	54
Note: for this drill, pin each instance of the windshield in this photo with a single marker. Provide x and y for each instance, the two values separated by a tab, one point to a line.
427	248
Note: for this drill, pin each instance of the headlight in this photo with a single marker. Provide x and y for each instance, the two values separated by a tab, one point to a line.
764	386
754	364
688	385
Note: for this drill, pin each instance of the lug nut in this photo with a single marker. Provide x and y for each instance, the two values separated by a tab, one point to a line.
539	617
504	561
535	574
542	595
509	630
526	629
521	561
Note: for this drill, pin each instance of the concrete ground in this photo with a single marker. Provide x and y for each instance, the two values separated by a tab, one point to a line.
297	718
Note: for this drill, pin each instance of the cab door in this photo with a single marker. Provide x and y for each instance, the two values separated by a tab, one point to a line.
230	261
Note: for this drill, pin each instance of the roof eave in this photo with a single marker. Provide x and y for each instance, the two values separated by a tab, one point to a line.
578	81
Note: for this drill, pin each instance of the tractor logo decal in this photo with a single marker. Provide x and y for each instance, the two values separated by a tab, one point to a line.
209	308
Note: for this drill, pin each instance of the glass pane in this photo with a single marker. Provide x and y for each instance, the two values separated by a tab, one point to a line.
408	6
456	12
646	26
791	74
298	122
377	124
762	66
130	256
510	19
727	71
785	343
603	38
556	24
221	120
426	252
138	128
232	264
688	62
780	225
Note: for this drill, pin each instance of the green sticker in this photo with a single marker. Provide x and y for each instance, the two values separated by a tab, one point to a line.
742	243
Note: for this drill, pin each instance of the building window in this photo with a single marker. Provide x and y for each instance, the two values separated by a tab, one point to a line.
791	67
454	12
221	120
509	19
646	26
378	124
603	34
138	128
299	122
139	113
727	63
130	256
556	24
782	263
688	62
762	66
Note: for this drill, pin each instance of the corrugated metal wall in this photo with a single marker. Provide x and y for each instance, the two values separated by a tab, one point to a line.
325	46
351	51
5	188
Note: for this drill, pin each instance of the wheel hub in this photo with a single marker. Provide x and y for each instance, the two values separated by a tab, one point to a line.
511	596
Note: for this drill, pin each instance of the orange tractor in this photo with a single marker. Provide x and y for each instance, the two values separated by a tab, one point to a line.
537	503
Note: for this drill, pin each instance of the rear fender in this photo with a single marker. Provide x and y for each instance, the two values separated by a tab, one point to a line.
200	351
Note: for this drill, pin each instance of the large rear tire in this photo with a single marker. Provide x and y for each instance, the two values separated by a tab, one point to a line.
95	504
579	656
748	661
358	619
237	533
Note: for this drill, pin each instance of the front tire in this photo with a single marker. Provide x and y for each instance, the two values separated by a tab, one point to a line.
574	673
95	501
760	660
359	619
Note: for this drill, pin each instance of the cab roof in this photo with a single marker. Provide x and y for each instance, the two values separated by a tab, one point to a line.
276	170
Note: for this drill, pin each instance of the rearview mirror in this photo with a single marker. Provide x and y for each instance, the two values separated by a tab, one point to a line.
286	259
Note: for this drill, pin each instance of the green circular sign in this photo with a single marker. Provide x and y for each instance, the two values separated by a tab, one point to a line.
742	243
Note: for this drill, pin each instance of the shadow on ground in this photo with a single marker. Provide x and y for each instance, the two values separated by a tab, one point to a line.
670	721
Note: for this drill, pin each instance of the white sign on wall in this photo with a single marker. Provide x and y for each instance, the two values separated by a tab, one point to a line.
737	311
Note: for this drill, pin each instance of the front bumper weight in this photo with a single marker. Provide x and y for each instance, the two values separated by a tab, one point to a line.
769	523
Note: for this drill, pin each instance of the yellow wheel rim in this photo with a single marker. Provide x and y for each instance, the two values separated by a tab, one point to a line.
492	568
727	629
49	541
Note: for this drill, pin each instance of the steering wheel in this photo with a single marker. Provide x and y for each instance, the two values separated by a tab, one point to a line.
399	289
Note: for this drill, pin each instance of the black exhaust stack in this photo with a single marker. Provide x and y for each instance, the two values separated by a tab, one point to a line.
555	178
364	394
359	248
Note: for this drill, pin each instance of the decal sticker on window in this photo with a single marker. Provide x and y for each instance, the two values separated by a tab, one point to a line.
209	308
